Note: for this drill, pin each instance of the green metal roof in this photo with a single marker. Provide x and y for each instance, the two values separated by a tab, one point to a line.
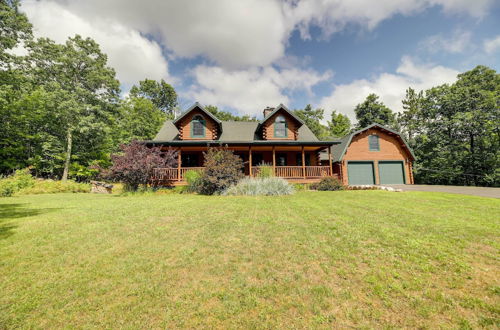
236	132
168	132
232	131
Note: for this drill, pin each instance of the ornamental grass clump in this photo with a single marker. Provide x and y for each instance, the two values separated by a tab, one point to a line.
271	186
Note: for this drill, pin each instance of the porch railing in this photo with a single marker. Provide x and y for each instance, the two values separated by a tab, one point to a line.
298	171
172	174
291	172
317	171
287	172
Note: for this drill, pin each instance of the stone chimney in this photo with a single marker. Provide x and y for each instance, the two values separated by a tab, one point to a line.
267	111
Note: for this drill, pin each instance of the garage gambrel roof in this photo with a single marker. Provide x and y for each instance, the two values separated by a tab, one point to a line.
339	150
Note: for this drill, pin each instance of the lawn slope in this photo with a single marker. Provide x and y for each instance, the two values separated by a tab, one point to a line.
314	259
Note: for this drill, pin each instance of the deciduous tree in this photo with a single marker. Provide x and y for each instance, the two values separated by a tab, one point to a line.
161	94
227	116
139	119
88	90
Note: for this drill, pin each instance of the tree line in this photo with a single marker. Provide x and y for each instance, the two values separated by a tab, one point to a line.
60	104
62	113
453	129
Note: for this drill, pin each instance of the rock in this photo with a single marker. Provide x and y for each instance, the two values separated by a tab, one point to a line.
101	187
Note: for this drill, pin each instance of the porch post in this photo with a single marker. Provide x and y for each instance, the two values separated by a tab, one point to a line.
250	160
274	160
330	161
179	161
303	163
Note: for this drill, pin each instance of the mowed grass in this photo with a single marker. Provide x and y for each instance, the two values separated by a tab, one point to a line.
359	259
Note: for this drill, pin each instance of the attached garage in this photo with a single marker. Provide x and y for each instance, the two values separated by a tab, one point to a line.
373	155
391	172
361	173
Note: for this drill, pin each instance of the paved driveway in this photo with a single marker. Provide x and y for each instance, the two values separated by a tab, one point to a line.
476	191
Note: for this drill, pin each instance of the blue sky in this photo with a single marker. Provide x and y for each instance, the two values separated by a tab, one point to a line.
244	55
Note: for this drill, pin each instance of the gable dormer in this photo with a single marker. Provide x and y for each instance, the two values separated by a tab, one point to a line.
197	123
280	124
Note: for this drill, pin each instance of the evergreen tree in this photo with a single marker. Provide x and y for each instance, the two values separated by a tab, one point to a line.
409	119
373	111
339	125
312	118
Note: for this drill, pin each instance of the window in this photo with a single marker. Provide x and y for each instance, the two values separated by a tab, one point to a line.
197	126
281	159
373	143
189	160
280	127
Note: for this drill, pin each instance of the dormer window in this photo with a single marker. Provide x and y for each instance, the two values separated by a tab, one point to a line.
197	127
280	127
373	143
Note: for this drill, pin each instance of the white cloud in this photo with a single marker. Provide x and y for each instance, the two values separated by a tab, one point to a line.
245	33
231	33
133	56
244	41
391	87
456	43
333	15
250	91
492	45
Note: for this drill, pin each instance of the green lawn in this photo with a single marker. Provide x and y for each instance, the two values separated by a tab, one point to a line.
315	259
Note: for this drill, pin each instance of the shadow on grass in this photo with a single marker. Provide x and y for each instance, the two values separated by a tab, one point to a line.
10	212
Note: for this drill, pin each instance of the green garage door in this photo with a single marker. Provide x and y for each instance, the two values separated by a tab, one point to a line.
391	172
360	173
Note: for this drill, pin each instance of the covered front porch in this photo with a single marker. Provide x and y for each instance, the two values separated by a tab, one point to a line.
296	163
